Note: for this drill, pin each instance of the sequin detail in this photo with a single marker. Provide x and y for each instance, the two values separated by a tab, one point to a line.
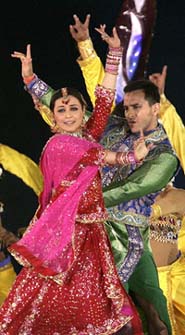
165	229
38	87
127	218
135	250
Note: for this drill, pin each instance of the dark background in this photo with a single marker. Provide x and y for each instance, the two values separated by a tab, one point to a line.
45	24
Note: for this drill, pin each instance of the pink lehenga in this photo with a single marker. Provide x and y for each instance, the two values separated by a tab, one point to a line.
69	284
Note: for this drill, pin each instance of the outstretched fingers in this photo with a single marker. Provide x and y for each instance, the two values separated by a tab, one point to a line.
28	51
114	33
87	20
72	31
113	41
164	71
21	55
79	24
80	30
101	30
26	61
77	21
159	79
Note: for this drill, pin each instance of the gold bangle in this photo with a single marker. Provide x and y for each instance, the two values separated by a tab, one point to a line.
86	48
157	211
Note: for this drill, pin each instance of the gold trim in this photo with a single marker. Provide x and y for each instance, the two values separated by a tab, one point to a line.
86	49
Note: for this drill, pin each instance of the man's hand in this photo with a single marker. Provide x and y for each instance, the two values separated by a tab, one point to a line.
159	79
80	31
141	150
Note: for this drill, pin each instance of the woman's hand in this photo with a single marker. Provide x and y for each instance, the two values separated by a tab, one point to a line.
79	30
113	41
26	61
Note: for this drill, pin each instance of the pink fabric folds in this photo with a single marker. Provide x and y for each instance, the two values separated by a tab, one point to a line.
48	243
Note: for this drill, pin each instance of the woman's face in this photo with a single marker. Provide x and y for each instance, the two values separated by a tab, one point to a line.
68	114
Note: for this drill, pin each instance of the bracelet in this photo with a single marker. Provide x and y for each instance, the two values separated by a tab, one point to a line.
132	157
28	80
125	158
157	211
113	59
86	48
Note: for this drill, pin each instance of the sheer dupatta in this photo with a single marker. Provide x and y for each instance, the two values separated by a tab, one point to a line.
48	243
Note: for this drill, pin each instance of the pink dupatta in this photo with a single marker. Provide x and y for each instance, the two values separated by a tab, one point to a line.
47	244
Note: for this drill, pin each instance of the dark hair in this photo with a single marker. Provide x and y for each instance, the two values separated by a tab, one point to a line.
118	109
69	91
150	90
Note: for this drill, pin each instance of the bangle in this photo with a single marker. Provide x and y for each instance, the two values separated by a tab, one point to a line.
157	211
113	59
132	157
86	48
125	158
27	80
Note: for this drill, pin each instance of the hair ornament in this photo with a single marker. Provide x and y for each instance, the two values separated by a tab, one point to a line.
65	96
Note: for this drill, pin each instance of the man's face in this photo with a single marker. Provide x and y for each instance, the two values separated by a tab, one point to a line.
138	113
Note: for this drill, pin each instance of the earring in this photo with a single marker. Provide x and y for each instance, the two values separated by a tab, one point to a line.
54	127
83	121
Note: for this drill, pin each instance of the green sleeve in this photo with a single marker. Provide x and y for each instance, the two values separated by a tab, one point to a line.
150	177
46	98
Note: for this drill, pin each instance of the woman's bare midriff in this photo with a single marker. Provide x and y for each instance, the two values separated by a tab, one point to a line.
164	253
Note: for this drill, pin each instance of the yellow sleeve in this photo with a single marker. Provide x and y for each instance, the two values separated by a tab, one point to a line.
7	277
93	73
174	128
21	166
46	114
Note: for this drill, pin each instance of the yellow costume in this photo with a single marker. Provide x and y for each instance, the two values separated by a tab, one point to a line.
164	242
27	170
172	282
172	277
91	67
21	166
7	277
174	128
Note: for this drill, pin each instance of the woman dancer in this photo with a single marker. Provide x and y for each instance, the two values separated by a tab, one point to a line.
69	284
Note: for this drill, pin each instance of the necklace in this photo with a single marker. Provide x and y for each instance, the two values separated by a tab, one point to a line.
75	134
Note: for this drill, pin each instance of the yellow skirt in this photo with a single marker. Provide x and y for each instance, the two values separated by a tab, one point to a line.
7	277
172	282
